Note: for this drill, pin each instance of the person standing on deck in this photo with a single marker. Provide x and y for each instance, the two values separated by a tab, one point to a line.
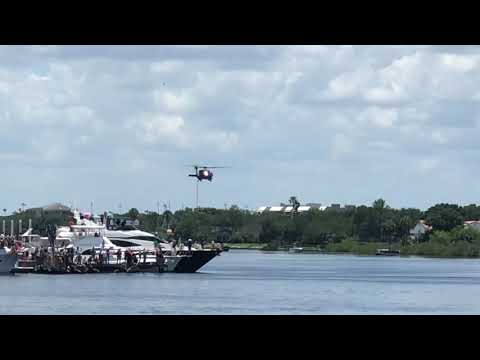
159	257
119	255
190	246
128	258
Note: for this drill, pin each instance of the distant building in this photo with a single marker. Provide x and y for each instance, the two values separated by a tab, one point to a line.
287	208
334	207
417	232
472	224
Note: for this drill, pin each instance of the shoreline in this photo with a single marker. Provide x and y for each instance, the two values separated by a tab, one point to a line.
318	250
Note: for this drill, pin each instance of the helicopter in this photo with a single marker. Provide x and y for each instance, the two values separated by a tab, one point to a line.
204	172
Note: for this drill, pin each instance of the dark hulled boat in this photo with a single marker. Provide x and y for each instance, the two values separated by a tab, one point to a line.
194	260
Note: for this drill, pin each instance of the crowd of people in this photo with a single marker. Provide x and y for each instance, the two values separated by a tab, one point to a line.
7	241
69	258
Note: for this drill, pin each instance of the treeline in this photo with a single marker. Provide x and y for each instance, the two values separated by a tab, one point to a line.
39	221
374	223
360	229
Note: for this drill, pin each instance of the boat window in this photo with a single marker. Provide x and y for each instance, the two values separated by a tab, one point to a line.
149	238
124	243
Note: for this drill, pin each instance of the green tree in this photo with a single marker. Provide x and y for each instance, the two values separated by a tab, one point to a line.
388	228
133	213
403	227
379	204
444	217
295	204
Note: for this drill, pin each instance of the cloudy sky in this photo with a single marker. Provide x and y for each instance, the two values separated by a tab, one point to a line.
345	124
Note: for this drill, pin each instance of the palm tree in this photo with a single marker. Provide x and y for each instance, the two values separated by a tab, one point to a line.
295	203
405	224
380	205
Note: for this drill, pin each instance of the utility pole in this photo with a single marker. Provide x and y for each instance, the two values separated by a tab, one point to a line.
157	217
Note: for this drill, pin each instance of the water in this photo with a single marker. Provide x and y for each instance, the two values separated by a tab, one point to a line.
254	282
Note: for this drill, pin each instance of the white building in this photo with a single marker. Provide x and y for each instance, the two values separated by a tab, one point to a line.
475	224
420	230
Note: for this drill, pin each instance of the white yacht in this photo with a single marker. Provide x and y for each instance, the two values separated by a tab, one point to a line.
87	235
7	260
193	259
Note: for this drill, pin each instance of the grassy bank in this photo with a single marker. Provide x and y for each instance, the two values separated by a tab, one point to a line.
461	249
246	246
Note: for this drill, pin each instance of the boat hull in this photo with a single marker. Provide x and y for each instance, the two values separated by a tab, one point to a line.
7	262
194	261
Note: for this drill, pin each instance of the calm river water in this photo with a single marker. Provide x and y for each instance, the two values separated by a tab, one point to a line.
254	282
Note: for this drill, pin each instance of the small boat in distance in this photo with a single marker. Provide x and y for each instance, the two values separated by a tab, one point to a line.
387	252
295	249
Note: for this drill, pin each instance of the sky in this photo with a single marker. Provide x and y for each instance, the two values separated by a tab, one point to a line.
117	125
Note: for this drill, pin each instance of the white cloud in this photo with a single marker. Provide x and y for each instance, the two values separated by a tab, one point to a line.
154	128
428	165
439	138
223	140
348	84
461	63
176	103
351	109
166	66
381	145
341	145
378	117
